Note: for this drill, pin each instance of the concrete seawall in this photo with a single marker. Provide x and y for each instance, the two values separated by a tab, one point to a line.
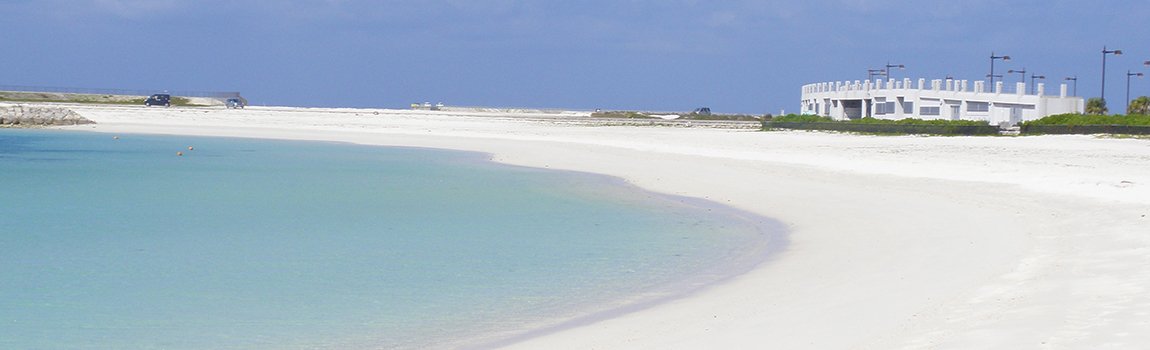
29	116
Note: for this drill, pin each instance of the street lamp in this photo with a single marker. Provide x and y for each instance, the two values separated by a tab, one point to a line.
1128	75
889	66
1075	79
992	79
1032	81
871	73
1021	73
1004	58
1104	53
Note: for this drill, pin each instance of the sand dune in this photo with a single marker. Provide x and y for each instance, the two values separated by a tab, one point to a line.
895	242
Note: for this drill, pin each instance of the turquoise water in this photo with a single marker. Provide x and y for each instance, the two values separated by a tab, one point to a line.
112	243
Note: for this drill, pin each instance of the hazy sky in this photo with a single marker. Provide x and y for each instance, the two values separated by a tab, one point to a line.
667	55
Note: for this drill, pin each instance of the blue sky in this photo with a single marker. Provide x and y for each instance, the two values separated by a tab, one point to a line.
733	56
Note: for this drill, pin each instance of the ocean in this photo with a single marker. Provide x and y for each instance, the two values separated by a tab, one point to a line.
173	242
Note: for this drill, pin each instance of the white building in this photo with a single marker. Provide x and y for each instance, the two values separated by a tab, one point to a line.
941	99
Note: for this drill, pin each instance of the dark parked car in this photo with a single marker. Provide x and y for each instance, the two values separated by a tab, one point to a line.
159	100
234	103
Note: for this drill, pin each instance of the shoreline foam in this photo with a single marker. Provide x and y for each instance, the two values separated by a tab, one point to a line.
896	242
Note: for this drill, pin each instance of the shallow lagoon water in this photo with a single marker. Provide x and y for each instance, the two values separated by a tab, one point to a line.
258	244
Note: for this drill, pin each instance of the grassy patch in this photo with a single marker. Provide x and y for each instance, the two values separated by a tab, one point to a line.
85	98
622	115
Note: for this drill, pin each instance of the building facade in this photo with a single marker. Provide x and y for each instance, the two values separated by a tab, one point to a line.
940	99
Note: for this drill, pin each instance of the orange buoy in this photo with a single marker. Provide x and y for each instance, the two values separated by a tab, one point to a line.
190	148
179	153
115	137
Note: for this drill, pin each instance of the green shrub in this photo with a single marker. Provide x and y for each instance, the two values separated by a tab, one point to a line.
916	121
1091	119
802	118
808	118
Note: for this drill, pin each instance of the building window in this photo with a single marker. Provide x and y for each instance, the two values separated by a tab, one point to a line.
884	108
928	110
908	107
977	107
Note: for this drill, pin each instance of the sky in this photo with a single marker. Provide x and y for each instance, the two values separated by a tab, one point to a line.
736	56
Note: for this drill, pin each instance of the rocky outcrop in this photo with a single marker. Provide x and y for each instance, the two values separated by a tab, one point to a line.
29	116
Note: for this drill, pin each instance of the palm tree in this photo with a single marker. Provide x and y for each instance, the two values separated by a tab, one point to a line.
1140	106
1096	105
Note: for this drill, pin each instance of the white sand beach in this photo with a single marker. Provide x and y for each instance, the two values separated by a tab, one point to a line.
895	241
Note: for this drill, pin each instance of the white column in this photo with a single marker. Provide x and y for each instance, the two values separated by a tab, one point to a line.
1040	89
1020	89
998	87
1062	91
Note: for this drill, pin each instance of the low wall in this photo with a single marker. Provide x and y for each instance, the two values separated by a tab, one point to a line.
20	115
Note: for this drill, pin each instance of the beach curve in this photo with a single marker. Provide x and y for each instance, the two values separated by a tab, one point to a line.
897	242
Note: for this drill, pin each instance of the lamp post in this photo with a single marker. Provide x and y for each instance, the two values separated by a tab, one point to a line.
1032	81
871	73
1021	73
1104	53
991	88
1004	58
889	66
1075	79
1128	75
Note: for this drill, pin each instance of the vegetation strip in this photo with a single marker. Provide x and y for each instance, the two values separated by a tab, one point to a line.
1086	124
16	96
883	126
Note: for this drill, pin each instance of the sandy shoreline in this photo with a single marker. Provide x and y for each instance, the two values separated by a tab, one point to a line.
896	242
